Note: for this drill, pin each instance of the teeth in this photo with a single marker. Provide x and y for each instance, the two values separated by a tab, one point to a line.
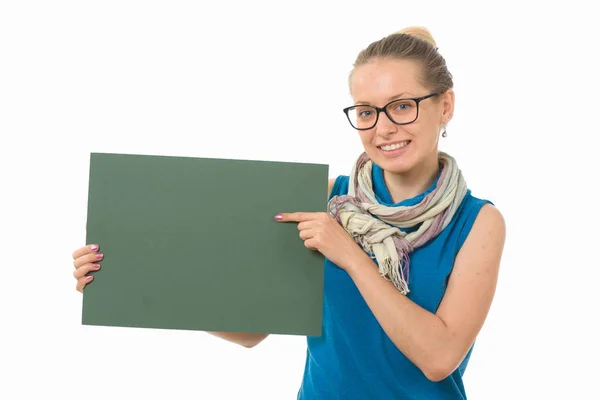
395	146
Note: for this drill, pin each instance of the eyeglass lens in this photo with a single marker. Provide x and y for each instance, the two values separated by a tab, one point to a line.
400	112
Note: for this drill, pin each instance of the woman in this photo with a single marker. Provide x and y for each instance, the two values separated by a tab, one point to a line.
412	257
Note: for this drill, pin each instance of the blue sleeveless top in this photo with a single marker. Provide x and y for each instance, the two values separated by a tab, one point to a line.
354	358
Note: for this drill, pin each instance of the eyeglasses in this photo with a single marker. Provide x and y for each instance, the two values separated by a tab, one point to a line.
400	112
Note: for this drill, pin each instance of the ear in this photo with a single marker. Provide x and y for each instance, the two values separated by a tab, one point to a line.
447	106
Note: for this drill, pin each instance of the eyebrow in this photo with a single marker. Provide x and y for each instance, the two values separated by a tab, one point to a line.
396	97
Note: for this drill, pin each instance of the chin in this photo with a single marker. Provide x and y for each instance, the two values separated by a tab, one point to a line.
395	167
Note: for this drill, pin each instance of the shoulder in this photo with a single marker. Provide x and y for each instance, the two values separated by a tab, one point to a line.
490	215
484	233
481	211
474	212
490	224
330	186
338	186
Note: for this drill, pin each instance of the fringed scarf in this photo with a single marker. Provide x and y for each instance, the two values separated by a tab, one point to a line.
375	227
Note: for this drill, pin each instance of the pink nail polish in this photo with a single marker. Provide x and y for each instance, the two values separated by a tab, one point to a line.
278	217
99	256
89	278
94	247
96	266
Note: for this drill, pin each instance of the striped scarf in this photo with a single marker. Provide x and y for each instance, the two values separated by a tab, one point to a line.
375	227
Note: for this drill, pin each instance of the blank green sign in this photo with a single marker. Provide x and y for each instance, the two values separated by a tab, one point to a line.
191	243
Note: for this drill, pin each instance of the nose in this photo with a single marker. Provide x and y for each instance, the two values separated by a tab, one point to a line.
384	126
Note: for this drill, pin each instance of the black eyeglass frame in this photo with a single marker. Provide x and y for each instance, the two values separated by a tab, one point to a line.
379	110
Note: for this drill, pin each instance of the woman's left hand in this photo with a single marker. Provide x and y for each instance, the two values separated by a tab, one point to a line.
321	232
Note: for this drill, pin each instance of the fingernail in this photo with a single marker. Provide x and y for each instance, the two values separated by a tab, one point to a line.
278	217
89	278
96	266
99	256
94	247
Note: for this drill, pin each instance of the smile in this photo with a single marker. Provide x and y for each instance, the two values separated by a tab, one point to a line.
394	146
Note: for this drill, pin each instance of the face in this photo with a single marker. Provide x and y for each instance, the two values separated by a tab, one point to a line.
400	148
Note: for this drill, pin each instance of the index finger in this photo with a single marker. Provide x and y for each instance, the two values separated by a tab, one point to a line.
85	250
295	217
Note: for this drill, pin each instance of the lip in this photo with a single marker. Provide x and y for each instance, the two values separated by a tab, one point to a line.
395	142
393	153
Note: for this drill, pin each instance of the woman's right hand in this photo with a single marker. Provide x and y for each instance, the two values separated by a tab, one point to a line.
85	260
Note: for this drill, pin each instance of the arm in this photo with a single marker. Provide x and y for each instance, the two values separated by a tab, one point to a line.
247	340
437	343
330	184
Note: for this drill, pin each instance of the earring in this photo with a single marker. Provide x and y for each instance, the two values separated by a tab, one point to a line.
444	134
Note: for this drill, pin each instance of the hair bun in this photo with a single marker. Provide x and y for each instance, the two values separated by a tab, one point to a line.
420	32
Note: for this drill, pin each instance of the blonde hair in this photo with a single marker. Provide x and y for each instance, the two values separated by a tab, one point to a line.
414	43
420	32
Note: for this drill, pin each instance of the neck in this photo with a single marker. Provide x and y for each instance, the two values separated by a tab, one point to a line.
414	182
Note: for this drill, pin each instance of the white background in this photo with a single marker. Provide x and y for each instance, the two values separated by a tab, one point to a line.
262	80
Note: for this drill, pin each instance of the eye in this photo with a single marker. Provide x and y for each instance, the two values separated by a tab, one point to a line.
403	106
364	112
